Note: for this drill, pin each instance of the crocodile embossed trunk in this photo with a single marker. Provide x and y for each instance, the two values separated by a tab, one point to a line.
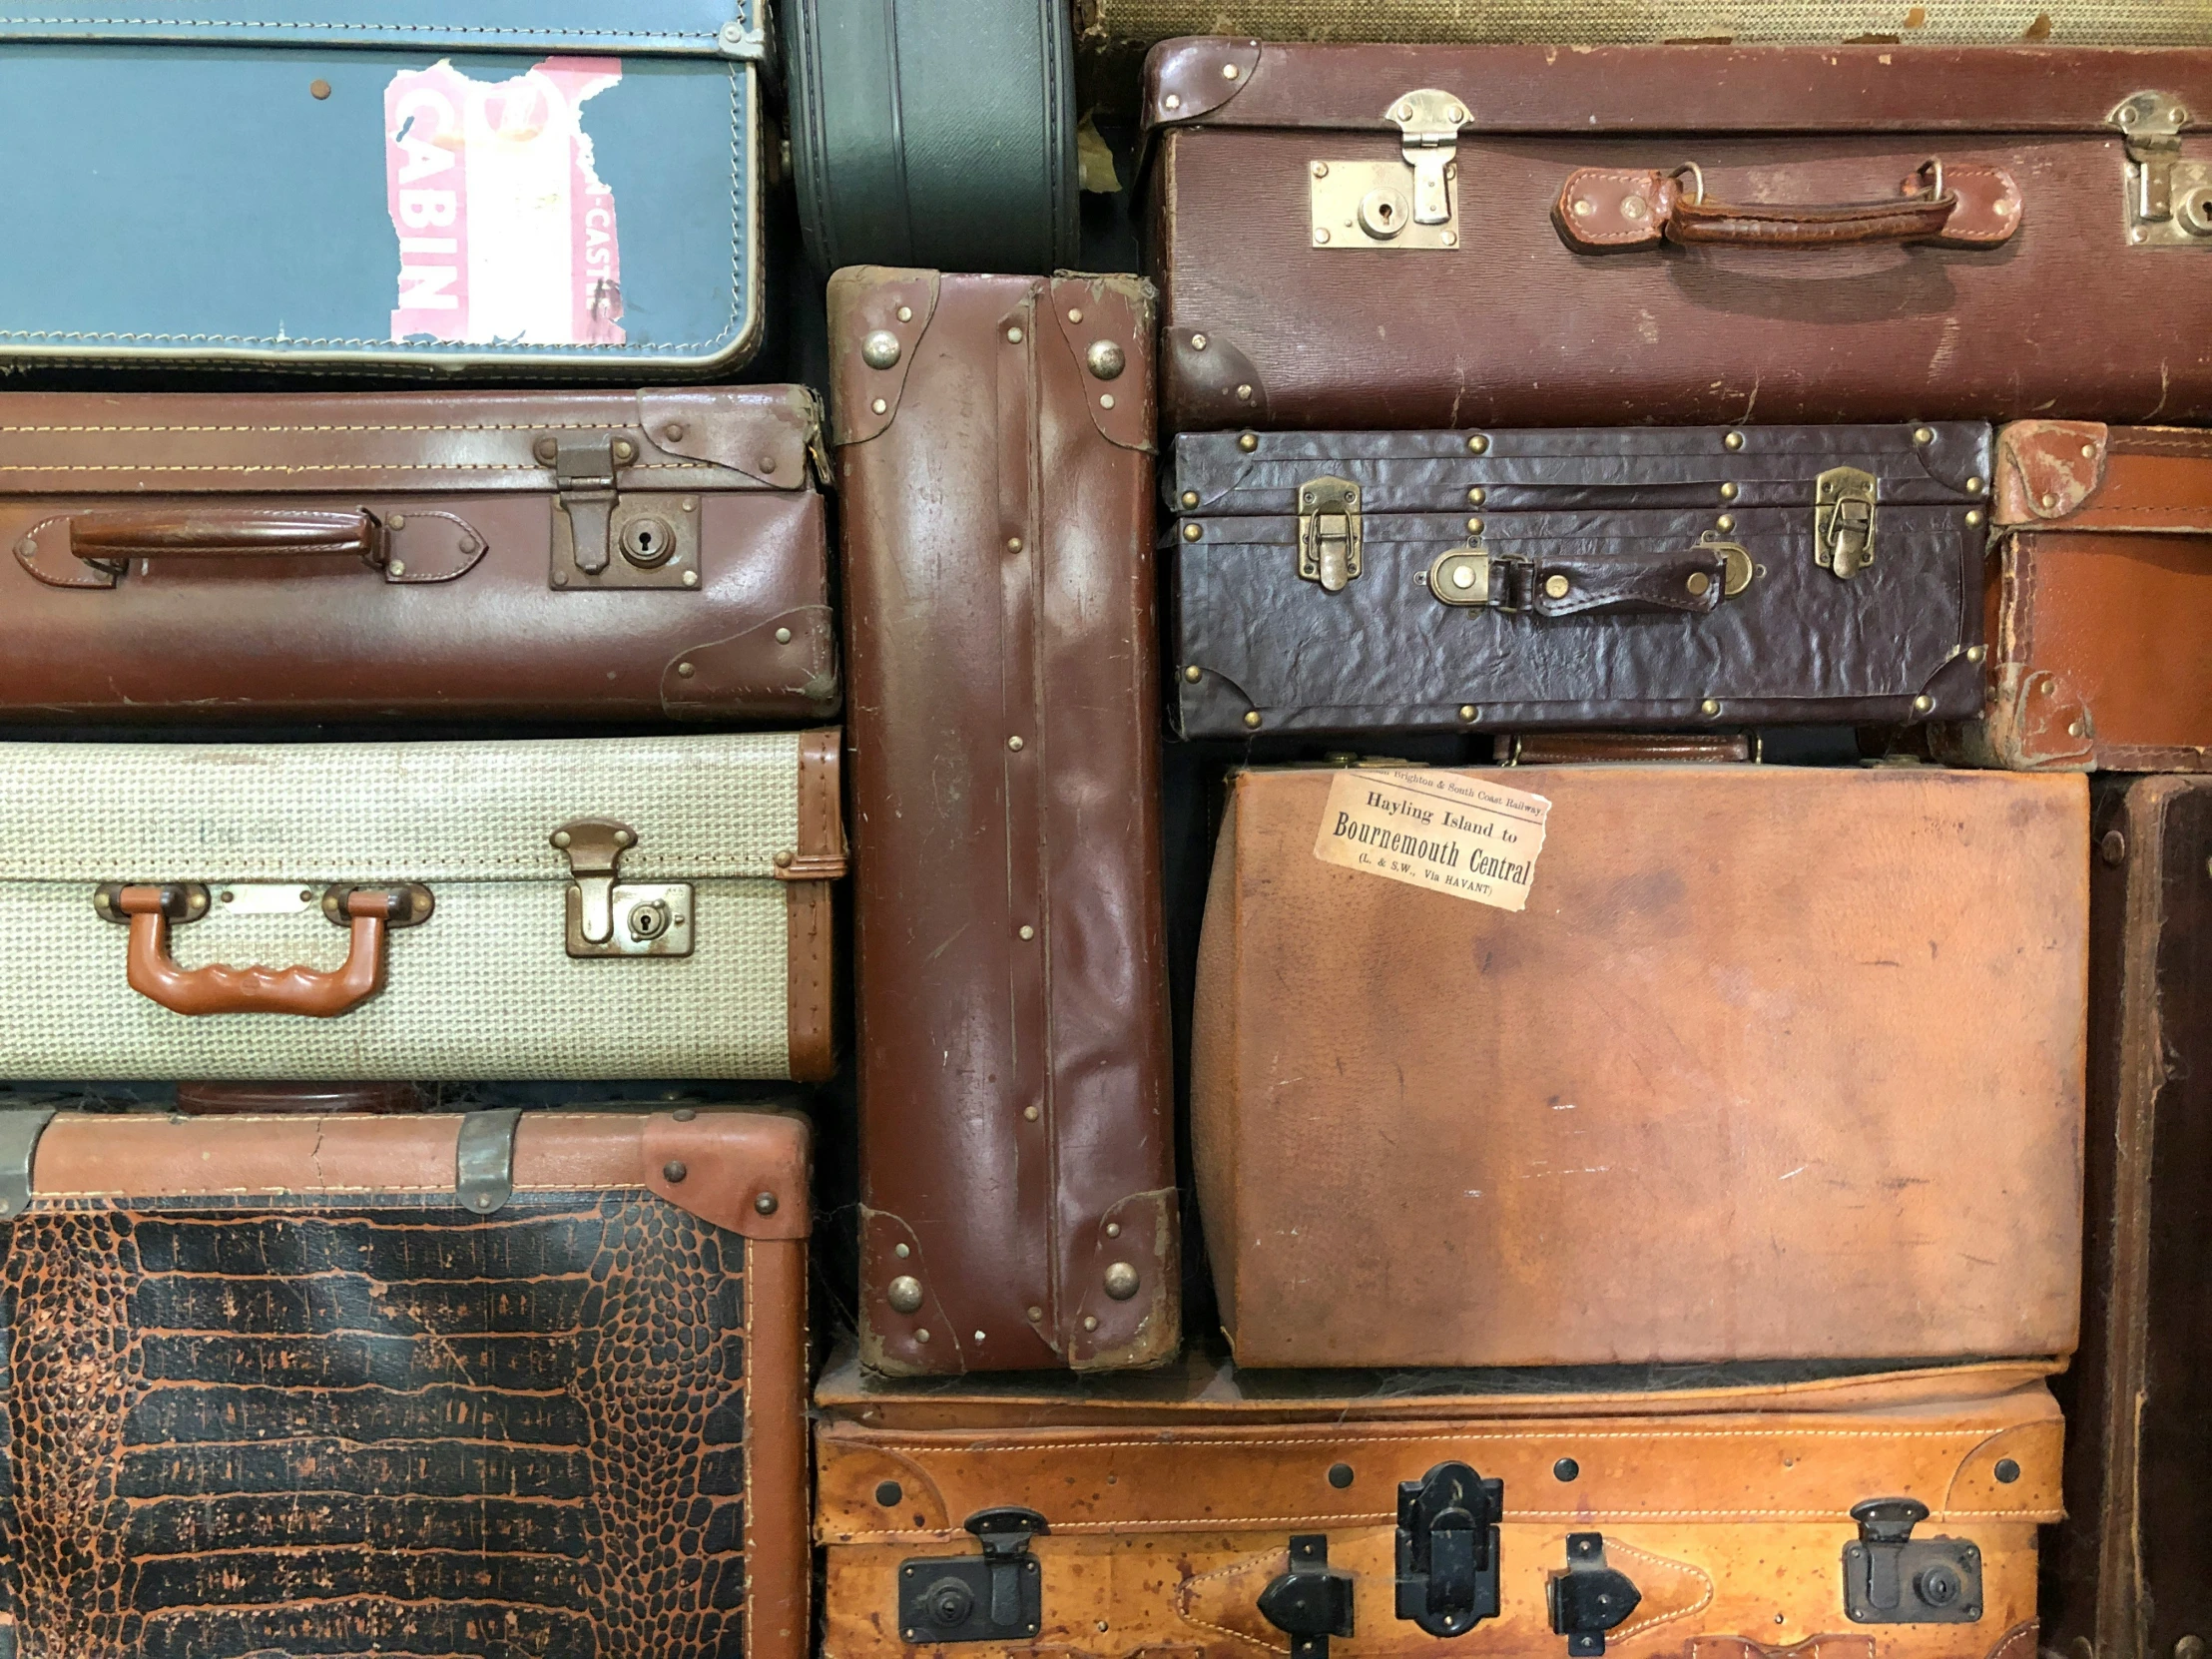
296	1386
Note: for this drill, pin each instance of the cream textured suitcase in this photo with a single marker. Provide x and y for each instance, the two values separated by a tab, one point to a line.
604	908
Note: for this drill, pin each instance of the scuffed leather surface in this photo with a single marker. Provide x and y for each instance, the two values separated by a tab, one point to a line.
1796	645
2046	468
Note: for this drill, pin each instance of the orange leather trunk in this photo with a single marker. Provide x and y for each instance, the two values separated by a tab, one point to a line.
1170	1502
2101	605
1777	1063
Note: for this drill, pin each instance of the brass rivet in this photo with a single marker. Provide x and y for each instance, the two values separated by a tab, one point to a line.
782	636
1321	234
674	1171
1113	1230
1229	72
1198	342
399	567
468	544
1248	441
765	1203
1013	544
1090	1322
2088	451
1013	337
1105	399
922	1335
2075	729
1709	707
398	521
782	861
1974	518
1923	702
2112	847
1974	486
1582	207
1027	932
1699	582
980	1337
318	88
1975	653
1189	498
1192	532
880	350
1476	496
1014	743
625	450
1035	1314
1478	444
1029	1114
1451	239
685	669
1105	360
691	578
1121	1281
905	313
623	838
1729	492
1253	717
1557	586
560	837
674	430
684	1114
1922	434
689	503
1193	673
1321	170
768	463
2049	500
879	406
1474	526
1734	440
1467	712
1725	523
1245	392
545	449
1074	316
904	1294
901	1251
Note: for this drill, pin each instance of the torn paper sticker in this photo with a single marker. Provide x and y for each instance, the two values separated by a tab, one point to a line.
506	234
1454	833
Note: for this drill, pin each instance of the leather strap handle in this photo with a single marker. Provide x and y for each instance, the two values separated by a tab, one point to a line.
113	537
1604	210
314	992
1563	581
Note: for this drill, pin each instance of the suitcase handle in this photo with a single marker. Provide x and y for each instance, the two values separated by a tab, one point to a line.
1606	210
368	913
93	549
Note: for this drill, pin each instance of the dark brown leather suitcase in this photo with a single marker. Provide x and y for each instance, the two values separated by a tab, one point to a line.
2099	607
2132	1573
995	461
495	1384
1518	579
1395	236
1200	1512
471	556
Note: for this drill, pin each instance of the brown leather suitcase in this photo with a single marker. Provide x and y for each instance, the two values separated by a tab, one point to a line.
1776	1063
426	1383
1402	581
2100	614
995	459
1399	236
468	556
2132	1567
1209	1514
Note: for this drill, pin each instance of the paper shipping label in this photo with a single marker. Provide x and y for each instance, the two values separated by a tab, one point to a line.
1449	831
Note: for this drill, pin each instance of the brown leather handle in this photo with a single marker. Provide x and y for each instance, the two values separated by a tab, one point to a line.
226	533
1564	580
1603	209
314	992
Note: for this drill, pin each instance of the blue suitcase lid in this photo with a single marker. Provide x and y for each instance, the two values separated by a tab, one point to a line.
709	28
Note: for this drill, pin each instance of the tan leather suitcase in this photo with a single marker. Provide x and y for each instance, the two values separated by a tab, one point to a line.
1777	1063
2099	611
1203	1513
494	1385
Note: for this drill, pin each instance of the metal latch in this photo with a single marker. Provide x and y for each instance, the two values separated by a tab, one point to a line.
484	1159
1407	204
20	1129
1589	1598
1843	520
1312	1601
997	1596
612	918
1329	532
1890	1577
605	539
1448	1550
2169	201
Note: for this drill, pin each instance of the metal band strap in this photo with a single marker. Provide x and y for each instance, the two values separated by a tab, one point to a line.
484	1159
20	1129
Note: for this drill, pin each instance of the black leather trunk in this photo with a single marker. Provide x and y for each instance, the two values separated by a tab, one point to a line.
1520	580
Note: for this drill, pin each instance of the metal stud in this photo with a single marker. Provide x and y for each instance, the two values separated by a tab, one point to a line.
1725	523
1923	702
685	671
398	567
1245	392
1035	1314
1106	359
1013	544
691	578
1090	1322
1467	712
922	1334
1474	526
904	1294
1476	496
674	1171
1248	441
879	406
765	1203
1013	337
398	521
1320	232
1729	492
1734	440
1711	705
1974	518
905	313
1557	586
1105	399
625	450
1014	744
1029	1114
1121	1281
1229	72
1189	498
880	350
1478	444
1027	932
1193	673
1252	719
1975	653
782	636
1192	532
1974	486
1074	316
1113	1230
1923	434
1321	170
1198	342
1699	582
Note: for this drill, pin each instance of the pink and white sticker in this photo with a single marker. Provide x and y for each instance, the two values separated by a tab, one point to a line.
506	234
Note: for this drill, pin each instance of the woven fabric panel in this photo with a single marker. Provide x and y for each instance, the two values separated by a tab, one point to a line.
485	989
1604	22
373	812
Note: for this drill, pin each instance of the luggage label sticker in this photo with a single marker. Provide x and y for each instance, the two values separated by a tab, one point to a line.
1449	831
506	234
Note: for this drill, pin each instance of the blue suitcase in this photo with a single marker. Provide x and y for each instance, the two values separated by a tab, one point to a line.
473	187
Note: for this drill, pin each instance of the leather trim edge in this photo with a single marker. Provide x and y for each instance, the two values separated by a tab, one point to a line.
809	914
2046	469
863	300
1118	311
778	1577
719	1165
1184	79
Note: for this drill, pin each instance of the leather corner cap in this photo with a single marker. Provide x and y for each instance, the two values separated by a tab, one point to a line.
763	432
2047	468
1107	323
745	1172
1208	383
866	379
1187	78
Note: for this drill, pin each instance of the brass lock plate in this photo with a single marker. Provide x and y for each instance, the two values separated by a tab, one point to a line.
651	919
1412	202
1843	520
1329	532
653	542
2168	199
1461	577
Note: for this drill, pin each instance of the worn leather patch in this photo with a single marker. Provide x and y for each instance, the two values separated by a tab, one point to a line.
717	676
1209	383
1135	1239
765	442
1601	210
728	1163
890	1340
865	301
1186	79
1108	319
2046	469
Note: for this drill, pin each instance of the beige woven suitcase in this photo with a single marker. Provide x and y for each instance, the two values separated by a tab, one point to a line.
1126	23
603	908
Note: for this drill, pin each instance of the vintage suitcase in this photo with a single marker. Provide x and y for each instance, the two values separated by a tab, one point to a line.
934	134
2100	620
1395	236
574	555
2132	1569
497	1385
1529	579
1776	1063
436	188
633	907
1017	1176
1209	1515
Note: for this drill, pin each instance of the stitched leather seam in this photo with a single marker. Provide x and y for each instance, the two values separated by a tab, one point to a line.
1182	1607
1203	1523
337	466
344	27
2026	1634
1614	1548
1630	233
419	426
1970	1436
43	1194
752	1507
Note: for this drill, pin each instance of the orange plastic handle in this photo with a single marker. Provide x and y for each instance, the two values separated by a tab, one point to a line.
314	993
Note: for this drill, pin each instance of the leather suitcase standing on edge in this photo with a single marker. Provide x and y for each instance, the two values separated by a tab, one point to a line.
1777	1063
1396	237
551	555
2133	1567
1524	579
608	907
1017	1168
2100	614
465	1386
1210	1516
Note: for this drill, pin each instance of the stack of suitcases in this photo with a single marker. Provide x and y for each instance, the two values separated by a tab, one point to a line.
1107	830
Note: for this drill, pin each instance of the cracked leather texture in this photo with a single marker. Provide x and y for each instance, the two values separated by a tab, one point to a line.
1798	645
380	1428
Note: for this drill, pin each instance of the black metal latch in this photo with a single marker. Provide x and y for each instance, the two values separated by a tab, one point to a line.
1589	1598
1890	1577
1312	1601
996	1596
1447	1553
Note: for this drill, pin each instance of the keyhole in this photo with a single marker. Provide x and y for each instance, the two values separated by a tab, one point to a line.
648	541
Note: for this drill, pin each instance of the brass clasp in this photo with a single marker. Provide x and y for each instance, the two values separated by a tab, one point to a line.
608	916
1843	520
1329	532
